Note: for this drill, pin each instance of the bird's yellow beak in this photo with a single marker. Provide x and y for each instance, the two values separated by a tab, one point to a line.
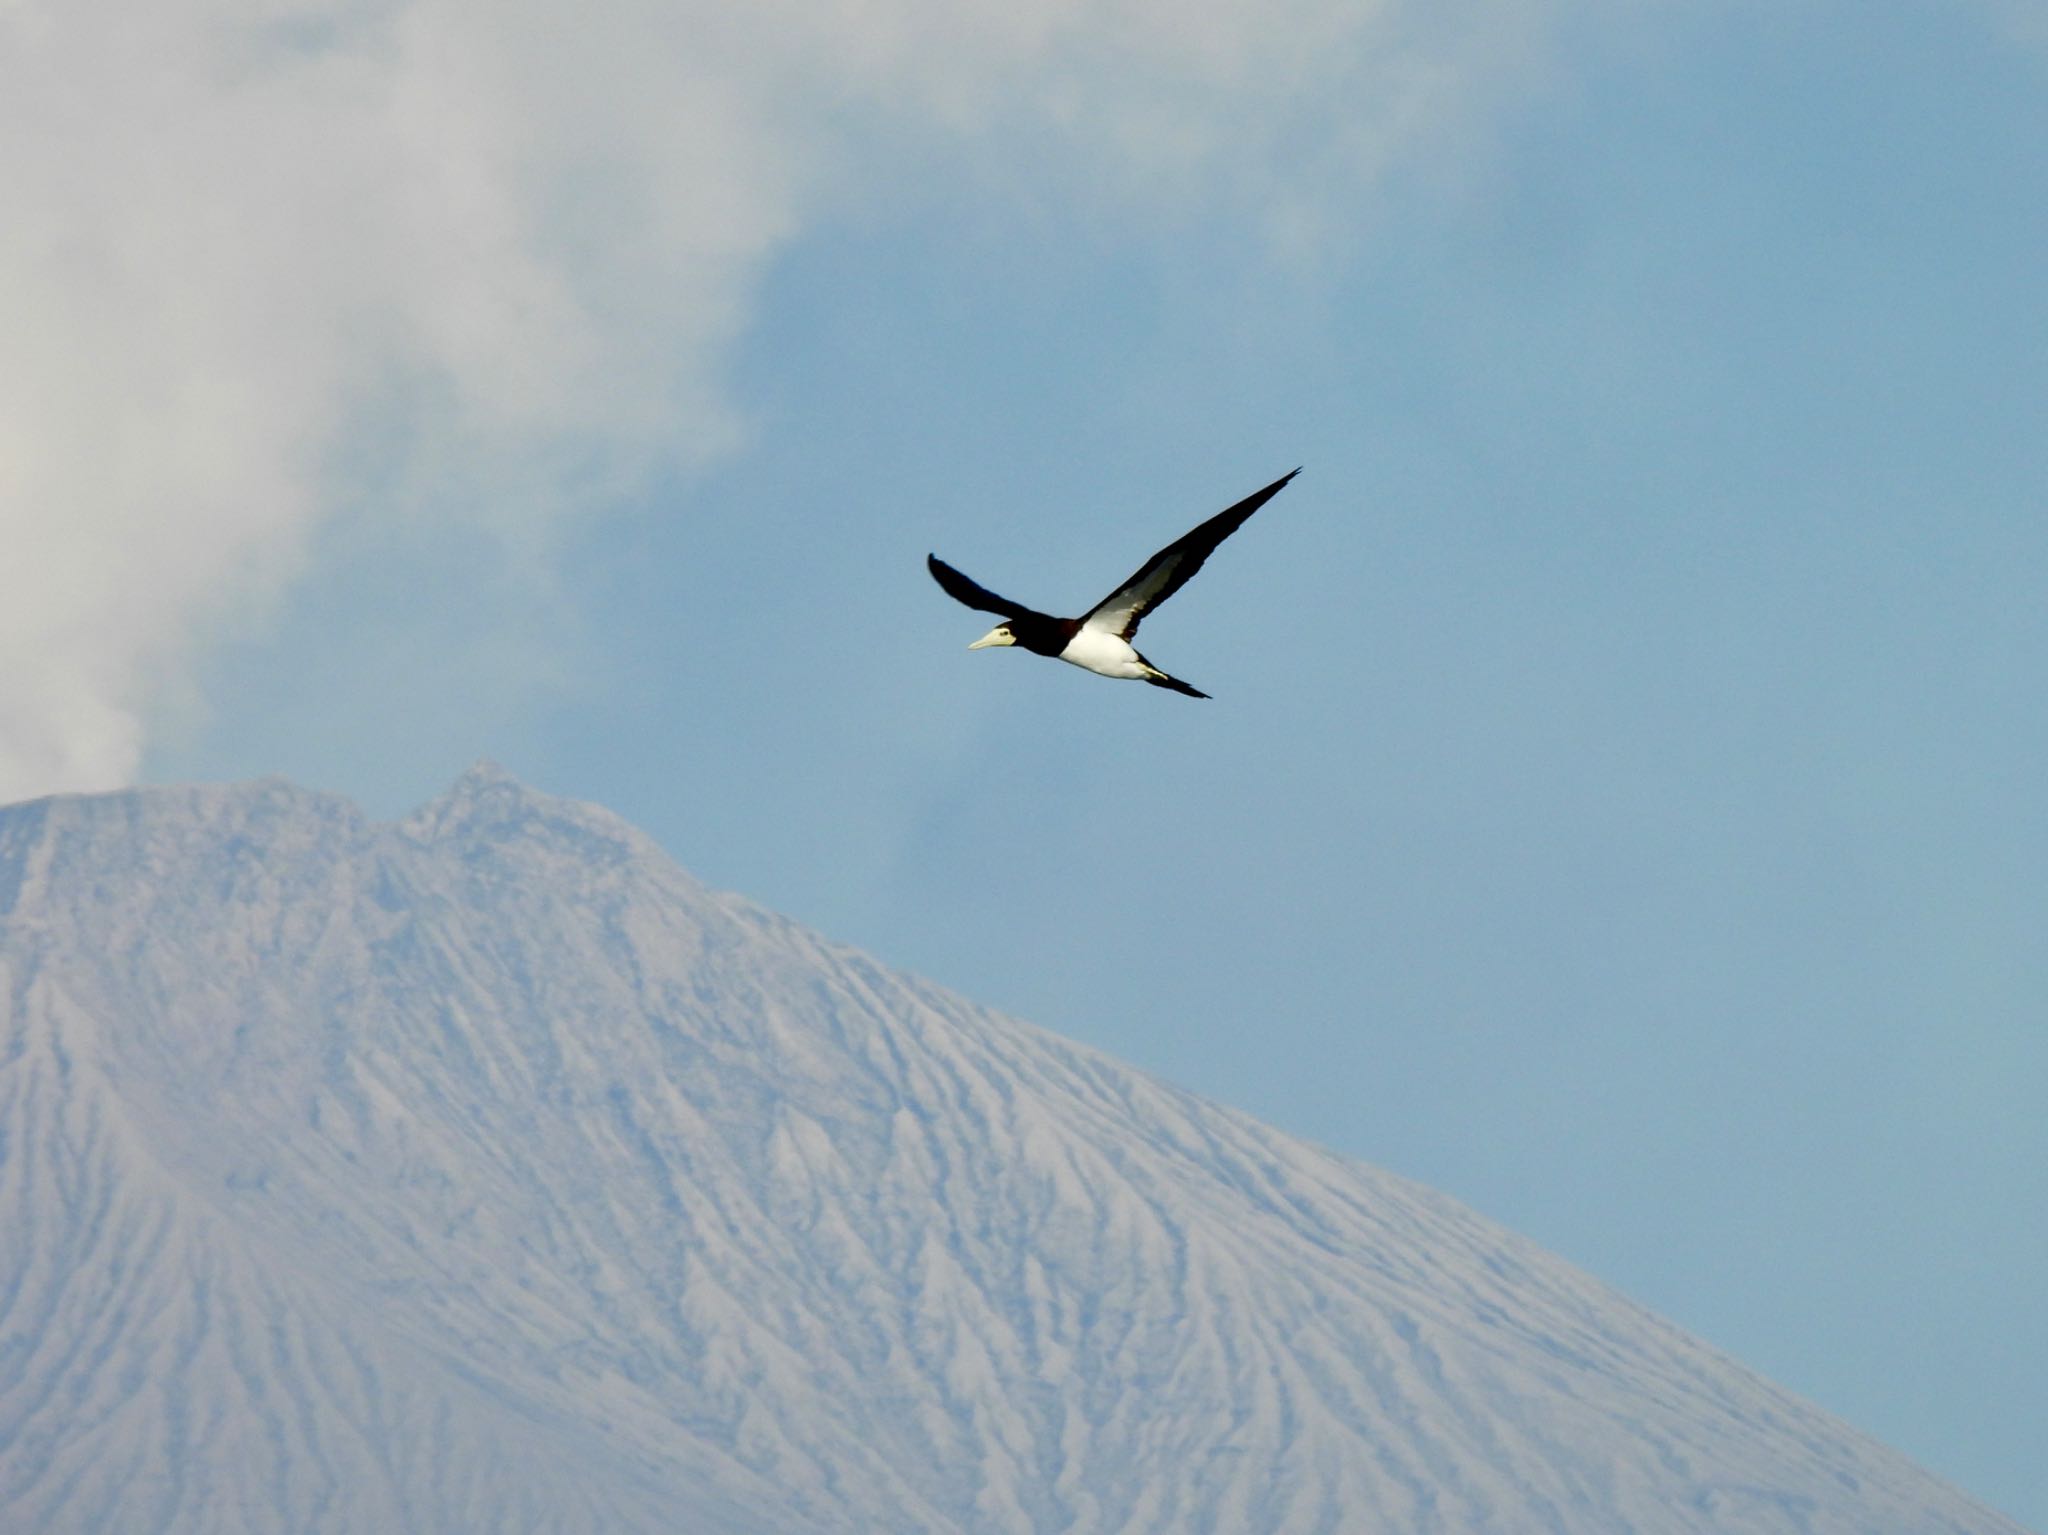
995	636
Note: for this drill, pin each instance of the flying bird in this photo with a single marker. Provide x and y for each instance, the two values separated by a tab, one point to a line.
1100	639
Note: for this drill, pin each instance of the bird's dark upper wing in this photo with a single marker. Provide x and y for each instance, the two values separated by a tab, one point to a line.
961	589
1168	570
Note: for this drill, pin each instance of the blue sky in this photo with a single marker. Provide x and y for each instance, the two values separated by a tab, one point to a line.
1621	801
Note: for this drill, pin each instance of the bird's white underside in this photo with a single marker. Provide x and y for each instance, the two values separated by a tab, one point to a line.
1103	652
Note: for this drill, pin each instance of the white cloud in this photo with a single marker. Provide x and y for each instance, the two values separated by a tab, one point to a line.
268	264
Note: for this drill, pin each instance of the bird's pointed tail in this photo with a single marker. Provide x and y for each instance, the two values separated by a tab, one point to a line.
1159	679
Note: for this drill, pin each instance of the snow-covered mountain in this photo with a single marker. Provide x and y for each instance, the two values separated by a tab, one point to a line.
484	1173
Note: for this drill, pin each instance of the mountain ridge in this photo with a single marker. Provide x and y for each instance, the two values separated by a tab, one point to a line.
496	1107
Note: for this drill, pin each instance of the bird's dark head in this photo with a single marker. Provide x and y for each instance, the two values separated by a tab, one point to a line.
1001	634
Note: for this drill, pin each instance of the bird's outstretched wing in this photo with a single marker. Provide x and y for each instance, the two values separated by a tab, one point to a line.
961	589
1167	571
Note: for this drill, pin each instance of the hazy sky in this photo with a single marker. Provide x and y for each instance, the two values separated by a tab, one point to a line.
1622	802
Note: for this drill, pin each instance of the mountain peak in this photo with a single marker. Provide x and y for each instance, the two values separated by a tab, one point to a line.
489	799
475	1172
484	774
487	785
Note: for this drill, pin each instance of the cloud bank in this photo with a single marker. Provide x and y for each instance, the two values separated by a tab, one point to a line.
267	266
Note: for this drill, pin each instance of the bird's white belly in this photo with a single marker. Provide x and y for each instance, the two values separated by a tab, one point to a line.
1103	653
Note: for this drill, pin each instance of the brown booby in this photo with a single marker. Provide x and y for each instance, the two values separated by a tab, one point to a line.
1100	639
